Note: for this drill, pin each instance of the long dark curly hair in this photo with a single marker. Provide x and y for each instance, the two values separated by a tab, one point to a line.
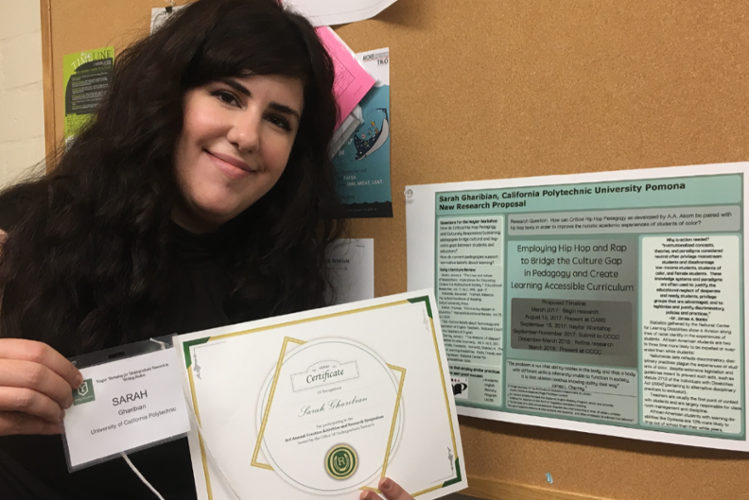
87	264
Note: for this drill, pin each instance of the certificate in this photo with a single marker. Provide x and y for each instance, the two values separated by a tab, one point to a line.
324	403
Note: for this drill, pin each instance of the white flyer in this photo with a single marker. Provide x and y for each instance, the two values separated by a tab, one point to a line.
319	12
330	12
351	265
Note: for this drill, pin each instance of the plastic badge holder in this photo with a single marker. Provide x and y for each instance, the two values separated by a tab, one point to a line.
107	356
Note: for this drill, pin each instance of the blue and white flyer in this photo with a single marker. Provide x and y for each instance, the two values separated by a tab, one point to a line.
363	162
324	403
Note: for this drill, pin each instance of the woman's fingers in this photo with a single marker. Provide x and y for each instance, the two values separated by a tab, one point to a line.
390	490
32	388
21	423
36	384
41	353
29	402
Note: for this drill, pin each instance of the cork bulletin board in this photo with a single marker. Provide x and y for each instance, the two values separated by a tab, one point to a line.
518	88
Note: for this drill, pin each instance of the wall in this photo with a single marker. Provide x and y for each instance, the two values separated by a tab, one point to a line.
21	103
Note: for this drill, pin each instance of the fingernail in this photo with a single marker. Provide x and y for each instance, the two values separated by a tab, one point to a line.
78	380
62	416
386	484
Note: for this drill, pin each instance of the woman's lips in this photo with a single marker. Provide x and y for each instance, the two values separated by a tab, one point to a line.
230	166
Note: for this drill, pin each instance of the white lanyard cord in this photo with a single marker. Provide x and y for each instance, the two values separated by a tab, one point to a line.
137	473
196	425
211	458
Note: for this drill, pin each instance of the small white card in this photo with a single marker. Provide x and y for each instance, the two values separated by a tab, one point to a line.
124	405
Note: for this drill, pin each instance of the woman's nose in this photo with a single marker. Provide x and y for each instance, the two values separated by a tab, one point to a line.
245	131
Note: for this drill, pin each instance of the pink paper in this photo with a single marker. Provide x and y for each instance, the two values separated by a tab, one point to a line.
352	82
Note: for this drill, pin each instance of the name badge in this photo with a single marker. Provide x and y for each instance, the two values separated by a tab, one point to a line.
125	405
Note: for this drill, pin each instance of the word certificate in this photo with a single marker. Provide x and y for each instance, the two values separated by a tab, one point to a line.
610	303
324	403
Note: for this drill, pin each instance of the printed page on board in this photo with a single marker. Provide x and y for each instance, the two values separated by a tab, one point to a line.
351	270
362	160
159	15
86	77
330	12
319	12
609	303
324	403
352	81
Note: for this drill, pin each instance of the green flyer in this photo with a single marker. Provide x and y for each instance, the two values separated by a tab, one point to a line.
86	77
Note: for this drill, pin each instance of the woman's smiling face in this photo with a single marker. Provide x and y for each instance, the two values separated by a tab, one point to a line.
236	138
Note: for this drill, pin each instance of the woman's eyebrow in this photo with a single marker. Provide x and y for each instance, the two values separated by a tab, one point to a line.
235	85
281	108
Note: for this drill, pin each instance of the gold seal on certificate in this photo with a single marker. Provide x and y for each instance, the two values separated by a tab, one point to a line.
329	404
341	461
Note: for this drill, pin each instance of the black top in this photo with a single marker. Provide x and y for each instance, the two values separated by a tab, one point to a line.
34	467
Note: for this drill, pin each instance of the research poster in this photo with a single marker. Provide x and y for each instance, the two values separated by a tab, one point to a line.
609	303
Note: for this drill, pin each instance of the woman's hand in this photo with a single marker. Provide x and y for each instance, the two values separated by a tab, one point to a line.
36	386
390	489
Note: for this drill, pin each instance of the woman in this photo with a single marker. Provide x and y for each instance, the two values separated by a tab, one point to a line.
201	195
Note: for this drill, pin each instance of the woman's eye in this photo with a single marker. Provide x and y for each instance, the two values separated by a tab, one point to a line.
280	122
226	97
